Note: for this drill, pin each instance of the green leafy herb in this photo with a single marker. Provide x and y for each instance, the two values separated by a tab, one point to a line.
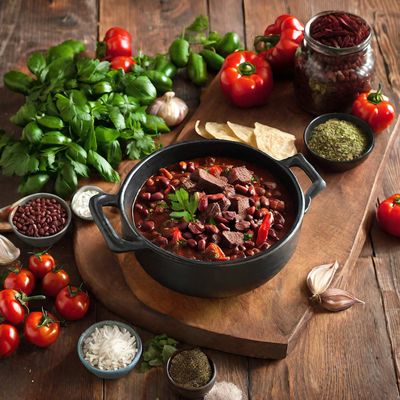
183	205
157	351
103	167
248	236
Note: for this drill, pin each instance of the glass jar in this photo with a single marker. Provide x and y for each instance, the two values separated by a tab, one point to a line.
328	79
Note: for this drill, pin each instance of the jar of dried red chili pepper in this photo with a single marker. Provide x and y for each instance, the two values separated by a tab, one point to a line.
334	63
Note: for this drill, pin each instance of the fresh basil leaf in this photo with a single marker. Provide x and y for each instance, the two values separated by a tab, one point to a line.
114	153
91	71
25	114
155	124
17	81
5	140
33	183
16	160
77	152
55	138
80	169
140	88
91	141
103	167
132	151
60	69
36	63
181	214
106	135
117	118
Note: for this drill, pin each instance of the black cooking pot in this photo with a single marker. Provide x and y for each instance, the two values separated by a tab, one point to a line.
196	277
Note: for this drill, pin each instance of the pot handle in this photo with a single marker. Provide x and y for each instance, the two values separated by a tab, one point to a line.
318	184
114	242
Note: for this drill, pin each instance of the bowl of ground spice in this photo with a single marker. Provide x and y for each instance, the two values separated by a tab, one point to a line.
191	373
338	141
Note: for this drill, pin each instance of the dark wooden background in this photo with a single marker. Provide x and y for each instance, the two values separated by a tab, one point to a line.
351	355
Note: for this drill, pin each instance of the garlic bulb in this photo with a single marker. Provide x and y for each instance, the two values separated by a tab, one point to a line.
170	108
319	278
8	252
337	300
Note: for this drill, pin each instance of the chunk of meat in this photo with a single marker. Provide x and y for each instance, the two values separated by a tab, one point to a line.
229	191
224	203
229	215
207	182
188	184
196	227
232	239
240	204
212	211
240	174
242	225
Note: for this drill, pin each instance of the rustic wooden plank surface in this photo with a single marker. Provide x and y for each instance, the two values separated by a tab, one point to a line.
353	355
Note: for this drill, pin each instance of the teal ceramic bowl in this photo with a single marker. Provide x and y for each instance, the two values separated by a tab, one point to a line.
110	374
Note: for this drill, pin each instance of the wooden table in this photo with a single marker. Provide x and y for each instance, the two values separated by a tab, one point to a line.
350	355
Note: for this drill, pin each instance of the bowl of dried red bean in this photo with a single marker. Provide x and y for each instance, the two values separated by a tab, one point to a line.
40	219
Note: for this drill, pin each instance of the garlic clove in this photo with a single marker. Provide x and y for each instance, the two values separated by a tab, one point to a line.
170	108
334	299
8	251
320	277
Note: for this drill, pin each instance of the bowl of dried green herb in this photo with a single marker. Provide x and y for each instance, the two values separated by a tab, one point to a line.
338	141
190	373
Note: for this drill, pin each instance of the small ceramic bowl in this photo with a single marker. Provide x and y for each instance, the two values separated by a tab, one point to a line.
340	166
197	393
41	241
109	374
77	194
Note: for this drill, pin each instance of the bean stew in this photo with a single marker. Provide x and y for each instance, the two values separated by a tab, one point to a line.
213	209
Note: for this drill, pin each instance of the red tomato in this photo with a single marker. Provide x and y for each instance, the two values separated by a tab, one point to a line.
117	31
13	304
9	340
20	279
118	46
54	281
40	264
122	62
388	215
72	303
41	328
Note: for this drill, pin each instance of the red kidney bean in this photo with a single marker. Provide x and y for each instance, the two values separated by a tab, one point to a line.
253	225
250	210
215	238
155	234
157	196
251	191
215	197
211	228
256	251
150	182
253	202
201	245
187	235
192	243
203	203
151	189
276	193
278	218
167	190
162	181
268	194
241	189
161	241
260	191
249	253
249	244
191	167
145	196
223	227
148	225
175	182
202	236
270	185
159	210
277	204
183	165
220	218
166	173
264	246
278	227
242	247
272	234
182	225
264	202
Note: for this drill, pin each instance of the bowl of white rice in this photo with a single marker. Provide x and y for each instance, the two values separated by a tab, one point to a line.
109	349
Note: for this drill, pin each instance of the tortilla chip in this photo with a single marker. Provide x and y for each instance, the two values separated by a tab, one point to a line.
277	144
244	133
201	131
221	131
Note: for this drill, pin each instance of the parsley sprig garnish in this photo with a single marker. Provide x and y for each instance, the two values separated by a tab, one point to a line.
184	205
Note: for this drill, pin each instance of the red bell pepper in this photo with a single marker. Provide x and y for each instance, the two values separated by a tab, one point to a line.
375	109
117	42
388	215
214	252
263	230
246	79
122	62
280	42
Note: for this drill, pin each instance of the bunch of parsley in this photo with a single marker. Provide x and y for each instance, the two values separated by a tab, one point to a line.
78	116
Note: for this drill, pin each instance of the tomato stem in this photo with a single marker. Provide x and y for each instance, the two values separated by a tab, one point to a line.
376	97
45	320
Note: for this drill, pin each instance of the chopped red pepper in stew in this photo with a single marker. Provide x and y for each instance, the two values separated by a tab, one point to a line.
213	209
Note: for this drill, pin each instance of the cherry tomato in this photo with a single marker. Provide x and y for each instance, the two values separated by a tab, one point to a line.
117	31
41	328
118	46
54	281
13	305
122	62
40	264
9	340
72	303
20	279
388	215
